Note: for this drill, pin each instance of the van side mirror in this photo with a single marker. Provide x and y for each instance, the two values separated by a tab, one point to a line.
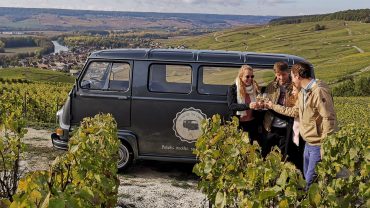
72	93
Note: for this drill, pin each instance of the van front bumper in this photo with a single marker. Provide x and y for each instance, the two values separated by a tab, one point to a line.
61	136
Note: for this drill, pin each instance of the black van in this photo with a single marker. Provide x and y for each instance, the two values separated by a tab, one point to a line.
158	96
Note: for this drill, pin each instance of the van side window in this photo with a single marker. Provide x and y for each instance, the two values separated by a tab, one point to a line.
215	80
119	78
170	78
107	76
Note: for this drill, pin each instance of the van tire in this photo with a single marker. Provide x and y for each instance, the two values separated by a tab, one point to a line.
125	156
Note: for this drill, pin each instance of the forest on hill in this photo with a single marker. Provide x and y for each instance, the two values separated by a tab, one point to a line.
362	15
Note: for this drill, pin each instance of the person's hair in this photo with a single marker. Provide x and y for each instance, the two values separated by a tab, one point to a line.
302	69
242	86
281	66
290	102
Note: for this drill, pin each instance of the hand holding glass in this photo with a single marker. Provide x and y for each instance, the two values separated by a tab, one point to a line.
264	100
260	102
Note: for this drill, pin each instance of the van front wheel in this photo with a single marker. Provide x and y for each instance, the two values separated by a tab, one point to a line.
125	157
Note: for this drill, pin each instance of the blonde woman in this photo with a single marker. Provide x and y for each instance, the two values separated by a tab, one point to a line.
239	96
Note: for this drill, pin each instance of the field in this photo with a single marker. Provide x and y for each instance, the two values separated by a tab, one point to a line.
14	51
341	49
352	110
42	92
36	75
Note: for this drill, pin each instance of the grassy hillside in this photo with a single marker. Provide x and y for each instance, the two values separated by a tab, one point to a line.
35	75
341	49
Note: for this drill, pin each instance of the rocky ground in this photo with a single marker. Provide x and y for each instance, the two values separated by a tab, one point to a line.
145	184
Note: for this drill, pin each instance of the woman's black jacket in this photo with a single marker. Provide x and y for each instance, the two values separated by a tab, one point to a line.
232	102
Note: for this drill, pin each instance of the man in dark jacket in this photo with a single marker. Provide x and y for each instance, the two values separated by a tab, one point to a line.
278	127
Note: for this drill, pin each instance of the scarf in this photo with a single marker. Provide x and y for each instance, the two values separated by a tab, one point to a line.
240	99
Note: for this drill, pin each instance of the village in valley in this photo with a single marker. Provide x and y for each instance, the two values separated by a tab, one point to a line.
64	60
70	59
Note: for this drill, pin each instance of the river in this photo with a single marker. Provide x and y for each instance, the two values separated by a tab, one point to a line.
58	48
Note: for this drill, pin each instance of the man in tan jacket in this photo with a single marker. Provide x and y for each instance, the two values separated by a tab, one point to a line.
317	119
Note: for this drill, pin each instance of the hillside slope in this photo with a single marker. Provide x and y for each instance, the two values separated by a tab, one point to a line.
35	75
341	49
66	20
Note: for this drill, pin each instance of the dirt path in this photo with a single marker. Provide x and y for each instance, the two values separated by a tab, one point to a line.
366	69
39	151
216	35
358	49
145	184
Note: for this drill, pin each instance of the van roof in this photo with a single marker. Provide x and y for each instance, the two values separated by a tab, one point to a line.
209	56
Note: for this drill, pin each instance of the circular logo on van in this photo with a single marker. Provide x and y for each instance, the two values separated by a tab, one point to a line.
186	124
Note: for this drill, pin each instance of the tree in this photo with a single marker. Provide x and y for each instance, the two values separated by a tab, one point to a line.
319	27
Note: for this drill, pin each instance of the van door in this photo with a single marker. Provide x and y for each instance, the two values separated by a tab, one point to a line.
104	87
161	92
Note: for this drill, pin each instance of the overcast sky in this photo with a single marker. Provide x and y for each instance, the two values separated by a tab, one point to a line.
243	7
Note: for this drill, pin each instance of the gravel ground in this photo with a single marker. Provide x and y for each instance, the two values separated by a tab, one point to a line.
159	184
145	184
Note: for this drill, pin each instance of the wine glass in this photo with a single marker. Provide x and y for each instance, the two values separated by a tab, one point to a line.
265	100
259	100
